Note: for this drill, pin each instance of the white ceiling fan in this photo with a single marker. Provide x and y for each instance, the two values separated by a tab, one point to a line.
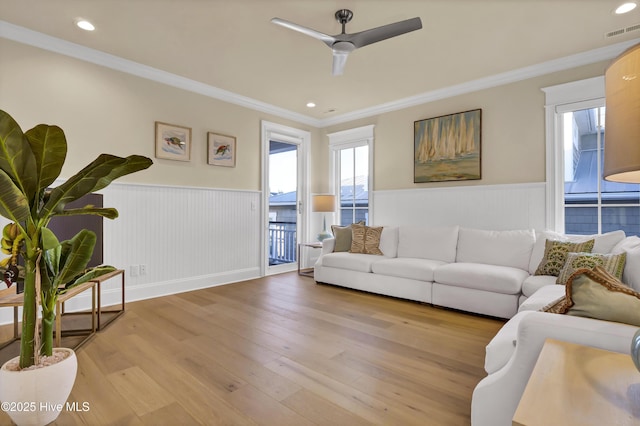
342	44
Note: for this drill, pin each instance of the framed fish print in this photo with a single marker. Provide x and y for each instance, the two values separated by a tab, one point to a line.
173	142
447	148
221	150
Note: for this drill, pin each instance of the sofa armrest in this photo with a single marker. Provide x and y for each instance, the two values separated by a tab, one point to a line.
496	397
327	245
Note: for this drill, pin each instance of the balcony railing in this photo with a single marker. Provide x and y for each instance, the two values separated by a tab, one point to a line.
282	242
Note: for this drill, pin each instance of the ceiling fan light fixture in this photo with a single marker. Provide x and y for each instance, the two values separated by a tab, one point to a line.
311	105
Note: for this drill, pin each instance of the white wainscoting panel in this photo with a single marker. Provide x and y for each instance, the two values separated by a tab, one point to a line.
493	207
188	238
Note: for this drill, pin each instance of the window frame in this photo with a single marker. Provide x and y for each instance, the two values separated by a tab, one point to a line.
346	139
576	95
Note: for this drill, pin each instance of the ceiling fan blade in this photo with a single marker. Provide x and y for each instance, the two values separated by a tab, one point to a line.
325	38
339	60
384	32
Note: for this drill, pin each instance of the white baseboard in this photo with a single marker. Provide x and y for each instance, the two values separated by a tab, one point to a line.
111	290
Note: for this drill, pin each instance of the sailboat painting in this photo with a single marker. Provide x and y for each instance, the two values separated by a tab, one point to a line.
447	148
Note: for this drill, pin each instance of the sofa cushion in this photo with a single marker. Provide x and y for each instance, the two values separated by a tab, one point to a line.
415	269
365	239
389	241
631	273
543	297
603	243
352	261
502	248
612	263
555	255
428	243
503	344
491	278
535	282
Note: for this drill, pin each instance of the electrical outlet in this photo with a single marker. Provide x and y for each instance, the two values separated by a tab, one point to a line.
134	270
143	269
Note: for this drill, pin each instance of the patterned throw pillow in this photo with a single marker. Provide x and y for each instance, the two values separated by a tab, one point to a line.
342	235
555	255
612	263
365	239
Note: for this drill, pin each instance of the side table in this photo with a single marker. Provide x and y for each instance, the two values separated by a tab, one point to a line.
580	385
116	312
308	272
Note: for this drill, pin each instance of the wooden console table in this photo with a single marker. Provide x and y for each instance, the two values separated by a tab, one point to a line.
580	385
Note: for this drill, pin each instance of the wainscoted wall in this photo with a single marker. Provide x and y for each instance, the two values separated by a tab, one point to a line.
497	207
191	238
188	238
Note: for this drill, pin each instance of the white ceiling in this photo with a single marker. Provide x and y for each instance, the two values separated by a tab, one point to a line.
232	45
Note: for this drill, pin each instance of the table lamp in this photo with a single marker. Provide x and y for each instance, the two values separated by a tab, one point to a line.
323	203
622	142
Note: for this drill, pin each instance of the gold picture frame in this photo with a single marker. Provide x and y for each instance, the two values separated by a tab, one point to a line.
173	142
221	150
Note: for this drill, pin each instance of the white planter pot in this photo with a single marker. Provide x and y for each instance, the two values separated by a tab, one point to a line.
36	397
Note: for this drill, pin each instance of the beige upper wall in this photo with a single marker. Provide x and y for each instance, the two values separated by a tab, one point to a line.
102	110
513	132
106	111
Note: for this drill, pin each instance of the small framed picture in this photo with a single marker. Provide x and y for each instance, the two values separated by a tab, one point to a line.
221	150
173	142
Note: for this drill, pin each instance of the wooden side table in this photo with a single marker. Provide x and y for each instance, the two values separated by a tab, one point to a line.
116	312
308	272
580	385
88	332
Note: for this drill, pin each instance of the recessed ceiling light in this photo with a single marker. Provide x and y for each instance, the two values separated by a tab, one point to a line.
311	105
85	25
624	8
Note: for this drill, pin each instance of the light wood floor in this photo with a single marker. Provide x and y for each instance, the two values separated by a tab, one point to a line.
280	350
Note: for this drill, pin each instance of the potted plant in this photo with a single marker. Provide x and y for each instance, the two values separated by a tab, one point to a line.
29	163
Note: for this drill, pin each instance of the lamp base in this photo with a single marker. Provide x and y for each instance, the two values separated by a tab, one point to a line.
324	235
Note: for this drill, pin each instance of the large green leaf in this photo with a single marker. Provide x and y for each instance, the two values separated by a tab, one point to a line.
16	158
13	203
88	275
97	175
108	212
74	256
49	146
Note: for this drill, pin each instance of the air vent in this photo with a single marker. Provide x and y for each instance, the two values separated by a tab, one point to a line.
622	31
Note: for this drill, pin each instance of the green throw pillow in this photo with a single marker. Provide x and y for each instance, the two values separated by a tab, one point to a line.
555	255
594	293
612	263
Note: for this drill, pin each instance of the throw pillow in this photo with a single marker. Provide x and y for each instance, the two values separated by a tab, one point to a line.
612	263
555	255
595	293
342	235
365	239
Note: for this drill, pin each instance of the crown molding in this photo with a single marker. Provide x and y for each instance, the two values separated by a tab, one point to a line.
77	51
561	64
33	38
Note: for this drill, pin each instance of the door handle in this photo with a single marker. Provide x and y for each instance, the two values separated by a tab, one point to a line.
300	207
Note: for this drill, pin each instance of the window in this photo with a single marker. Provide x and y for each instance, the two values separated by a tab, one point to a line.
352	159
580	201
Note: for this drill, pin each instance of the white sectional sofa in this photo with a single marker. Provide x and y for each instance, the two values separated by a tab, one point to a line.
480	271
491	273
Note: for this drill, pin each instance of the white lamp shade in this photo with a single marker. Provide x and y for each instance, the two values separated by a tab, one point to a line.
323	203
622	119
